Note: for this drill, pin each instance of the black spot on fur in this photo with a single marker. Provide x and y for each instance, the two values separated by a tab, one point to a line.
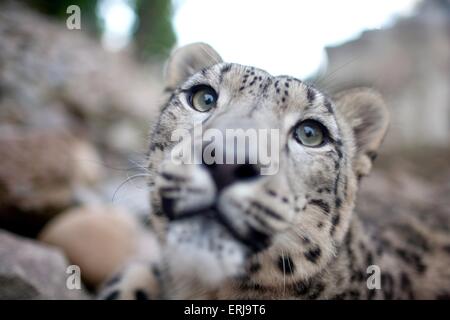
320	203
387	285
310	95
336	167
371	293
204	71
112	296
157	145
412	259
369	259
317	291
286	265
406	286
328	106
254	267
354	295
256	239
332	230
301	288
339	152
412	237
313	254
335	220
357	276
140	295
340	296
348	242
338	203
225	69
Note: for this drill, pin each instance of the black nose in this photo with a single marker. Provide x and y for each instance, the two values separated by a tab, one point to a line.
227	174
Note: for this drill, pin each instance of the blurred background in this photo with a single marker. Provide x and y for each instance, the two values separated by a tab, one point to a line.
76	107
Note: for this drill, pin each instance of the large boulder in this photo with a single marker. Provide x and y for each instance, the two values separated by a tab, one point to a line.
100	239
40	173
30	270
52	77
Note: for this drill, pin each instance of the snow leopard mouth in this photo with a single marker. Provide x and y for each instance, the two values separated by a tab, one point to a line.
254	240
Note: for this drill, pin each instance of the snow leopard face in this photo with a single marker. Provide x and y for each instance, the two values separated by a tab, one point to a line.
222	219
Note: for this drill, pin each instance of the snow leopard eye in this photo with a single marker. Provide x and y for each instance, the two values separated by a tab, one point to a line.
310	133
203	98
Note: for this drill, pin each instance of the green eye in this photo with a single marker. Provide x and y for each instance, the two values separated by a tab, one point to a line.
310	133
203	98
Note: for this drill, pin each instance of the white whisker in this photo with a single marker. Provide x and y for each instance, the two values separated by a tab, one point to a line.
126	181
284	273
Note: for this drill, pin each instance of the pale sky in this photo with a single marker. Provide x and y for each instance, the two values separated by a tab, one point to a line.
280	36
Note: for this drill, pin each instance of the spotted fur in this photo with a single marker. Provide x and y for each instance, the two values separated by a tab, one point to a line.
289	235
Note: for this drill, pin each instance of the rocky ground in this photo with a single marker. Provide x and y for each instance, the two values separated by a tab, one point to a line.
73	126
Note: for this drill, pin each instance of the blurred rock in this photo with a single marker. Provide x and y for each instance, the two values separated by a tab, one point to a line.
99	239
52	77
390	193
86	163
39	171
68	101
409	63
29	270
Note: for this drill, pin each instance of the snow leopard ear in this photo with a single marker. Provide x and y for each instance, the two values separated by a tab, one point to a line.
188	60
368	117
